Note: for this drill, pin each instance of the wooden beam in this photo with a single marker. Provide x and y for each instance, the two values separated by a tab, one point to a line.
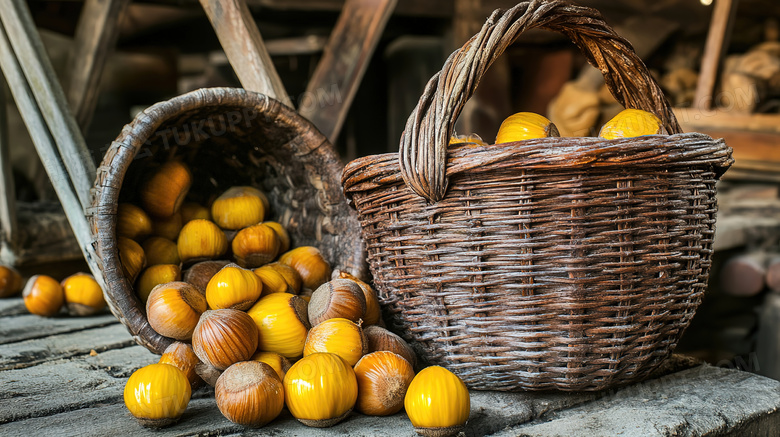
337	77
50	100
8	223
42	137
717	42
95	38
243	45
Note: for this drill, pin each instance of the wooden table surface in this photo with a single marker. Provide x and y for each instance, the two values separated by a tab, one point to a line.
65	376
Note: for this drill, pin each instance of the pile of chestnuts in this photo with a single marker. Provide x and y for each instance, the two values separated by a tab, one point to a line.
266	324
79	294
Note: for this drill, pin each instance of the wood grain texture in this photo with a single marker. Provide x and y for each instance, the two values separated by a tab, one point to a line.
228	137
338	75
52	154
96	35
718	37
8	225
50	99
554	263
241	40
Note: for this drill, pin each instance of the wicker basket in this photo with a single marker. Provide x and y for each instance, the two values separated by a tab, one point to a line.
557	263
229	137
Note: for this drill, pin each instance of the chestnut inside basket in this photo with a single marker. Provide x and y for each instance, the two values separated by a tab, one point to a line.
227	137
555	263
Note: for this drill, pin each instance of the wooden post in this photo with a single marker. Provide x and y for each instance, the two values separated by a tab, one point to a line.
8	223
714	49
95	38
744	275
26	47
243	45
344	61
42	136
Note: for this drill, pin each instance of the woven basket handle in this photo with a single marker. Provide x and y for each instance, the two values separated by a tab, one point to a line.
423	148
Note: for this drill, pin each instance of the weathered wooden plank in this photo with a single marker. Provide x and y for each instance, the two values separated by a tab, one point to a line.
70	197
96	35
338	74
490	412
717	42
29	326
243	45
33	352
8	226
50	98
69	384
12	306
701	401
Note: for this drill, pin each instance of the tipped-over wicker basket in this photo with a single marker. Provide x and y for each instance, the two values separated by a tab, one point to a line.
228	137
557	263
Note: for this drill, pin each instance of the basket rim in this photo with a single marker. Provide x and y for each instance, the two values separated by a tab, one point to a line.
121	299
553	153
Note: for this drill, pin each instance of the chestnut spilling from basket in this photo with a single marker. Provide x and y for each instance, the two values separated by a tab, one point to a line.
535	263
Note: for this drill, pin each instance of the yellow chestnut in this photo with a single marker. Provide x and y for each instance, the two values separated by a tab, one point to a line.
154	276
338	336
164	192
10	281
173	309
249	393
191	211
233	287
43	296
181	356
167	227
282	321
255	245
525	126
284	237
131	256
277	362
157	394
199	274
380	339
373	314
291	276
470	140
199	240
631	123
338	298
224	337
160	250
273	281
239	207
83	295
310	264
132	222
383	378
320	390
437	402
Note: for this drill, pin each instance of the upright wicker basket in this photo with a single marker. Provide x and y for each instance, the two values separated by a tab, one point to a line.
557	263
228	137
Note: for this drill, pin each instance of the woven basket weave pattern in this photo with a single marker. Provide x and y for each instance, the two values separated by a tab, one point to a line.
558	263
227	137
